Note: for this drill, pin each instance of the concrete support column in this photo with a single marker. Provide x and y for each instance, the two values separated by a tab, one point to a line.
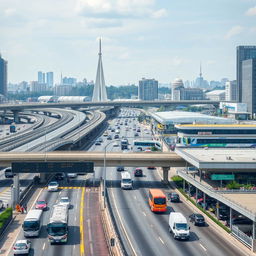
230	217
16	116
218	209
200	175
15	190
253	237
204	201
196	195
189	189
42	177
165	174
184	185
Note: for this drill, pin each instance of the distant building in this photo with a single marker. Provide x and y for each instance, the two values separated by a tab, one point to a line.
249	84
68	80
37	87
3	76
231	91
49	79
62	90
41	77
148	89
242	53
179	92
218	95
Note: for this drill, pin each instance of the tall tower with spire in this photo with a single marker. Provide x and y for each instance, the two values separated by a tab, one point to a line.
99	91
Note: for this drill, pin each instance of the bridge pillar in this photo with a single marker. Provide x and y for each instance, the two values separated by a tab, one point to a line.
16	116
165	174
42	177
15	191
204	201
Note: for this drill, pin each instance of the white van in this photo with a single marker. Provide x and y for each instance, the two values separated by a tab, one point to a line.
126	180
178	225
8	172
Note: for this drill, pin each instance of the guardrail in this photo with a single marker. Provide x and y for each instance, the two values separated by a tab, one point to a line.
239	234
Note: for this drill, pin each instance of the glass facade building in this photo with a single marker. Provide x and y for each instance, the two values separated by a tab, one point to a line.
3	76
148	89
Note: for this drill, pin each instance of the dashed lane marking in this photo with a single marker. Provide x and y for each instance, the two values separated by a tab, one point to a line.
203	247
161	240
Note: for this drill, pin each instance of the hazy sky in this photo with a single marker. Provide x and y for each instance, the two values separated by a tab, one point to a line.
161	39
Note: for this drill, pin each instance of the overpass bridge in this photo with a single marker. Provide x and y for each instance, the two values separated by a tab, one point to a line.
125	103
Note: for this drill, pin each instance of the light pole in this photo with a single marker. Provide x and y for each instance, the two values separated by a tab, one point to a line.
105	170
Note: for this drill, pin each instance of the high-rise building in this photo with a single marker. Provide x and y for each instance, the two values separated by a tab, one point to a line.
231	91
49	79
248	73
3	76
41	77
242	53
148	89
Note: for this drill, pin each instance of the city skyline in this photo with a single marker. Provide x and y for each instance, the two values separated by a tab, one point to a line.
141	39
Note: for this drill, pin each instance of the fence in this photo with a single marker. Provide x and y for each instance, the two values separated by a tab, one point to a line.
247	240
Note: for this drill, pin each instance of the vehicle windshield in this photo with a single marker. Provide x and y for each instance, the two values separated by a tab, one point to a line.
200	217
64	200
31	225
20	245
53	184
181	226
40	202
160	200
57	229
127	180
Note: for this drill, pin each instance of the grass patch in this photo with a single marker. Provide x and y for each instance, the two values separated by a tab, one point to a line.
4	216
178	181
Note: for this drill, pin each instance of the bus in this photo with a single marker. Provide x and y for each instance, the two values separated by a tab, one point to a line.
32	223
124	144
216	135
142	145
157	200
57	228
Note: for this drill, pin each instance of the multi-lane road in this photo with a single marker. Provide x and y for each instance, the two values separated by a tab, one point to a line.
142	232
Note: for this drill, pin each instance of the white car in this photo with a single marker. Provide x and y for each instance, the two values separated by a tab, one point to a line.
53	186
65	201
21	247
72	175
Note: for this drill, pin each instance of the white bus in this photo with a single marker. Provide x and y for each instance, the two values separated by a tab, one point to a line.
57	228
142	145
32	223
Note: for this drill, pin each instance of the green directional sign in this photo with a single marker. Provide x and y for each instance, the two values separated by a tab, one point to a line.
222	177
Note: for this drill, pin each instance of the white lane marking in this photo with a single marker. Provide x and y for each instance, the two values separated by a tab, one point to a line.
161	240
74	247
119	216
203	247
75	218
144	214
135	197
59	192
43	246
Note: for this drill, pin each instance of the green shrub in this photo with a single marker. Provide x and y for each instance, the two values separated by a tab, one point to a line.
5	215
233	185
178	181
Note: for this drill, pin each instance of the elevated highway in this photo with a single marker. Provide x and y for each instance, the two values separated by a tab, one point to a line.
21	107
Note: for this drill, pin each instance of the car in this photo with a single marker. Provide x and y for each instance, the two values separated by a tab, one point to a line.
197	219
151	167
138	172
138	130
53	186
97	142
112	130
21	247
59	176
72	175
65	201
116	136
1	204
136	134
116	144
41	204
109	137
174	197
100	140
120	168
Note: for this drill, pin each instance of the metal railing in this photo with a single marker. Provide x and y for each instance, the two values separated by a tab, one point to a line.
239	234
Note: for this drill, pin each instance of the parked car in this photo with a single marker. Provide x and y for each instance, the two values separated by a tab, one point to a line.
72	175
41	204
174	197
138	172
97	142
21	247
136	134
197	219
53	186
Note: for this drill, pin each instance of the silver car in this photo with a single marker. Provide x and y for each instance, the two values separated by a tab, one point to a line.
21	247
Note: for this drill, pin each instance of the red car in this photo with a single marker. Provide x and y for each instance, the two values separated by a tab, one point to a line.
41	204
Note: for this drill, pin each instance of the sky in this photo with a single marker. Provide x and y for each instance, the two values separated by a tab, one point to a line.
161	39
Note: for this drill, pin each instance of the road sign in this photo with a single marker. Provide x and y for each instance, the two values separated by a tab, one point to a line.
222	177
49	167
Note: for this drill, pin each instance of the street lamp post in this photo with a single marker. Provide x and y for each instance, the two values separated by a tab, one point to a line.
105	170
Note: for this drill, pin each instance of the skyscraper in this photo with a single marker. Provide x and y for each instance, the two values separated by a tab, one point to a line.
49	79
248	73
99	91
242	53
3	76
148	89
231	91
41	77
